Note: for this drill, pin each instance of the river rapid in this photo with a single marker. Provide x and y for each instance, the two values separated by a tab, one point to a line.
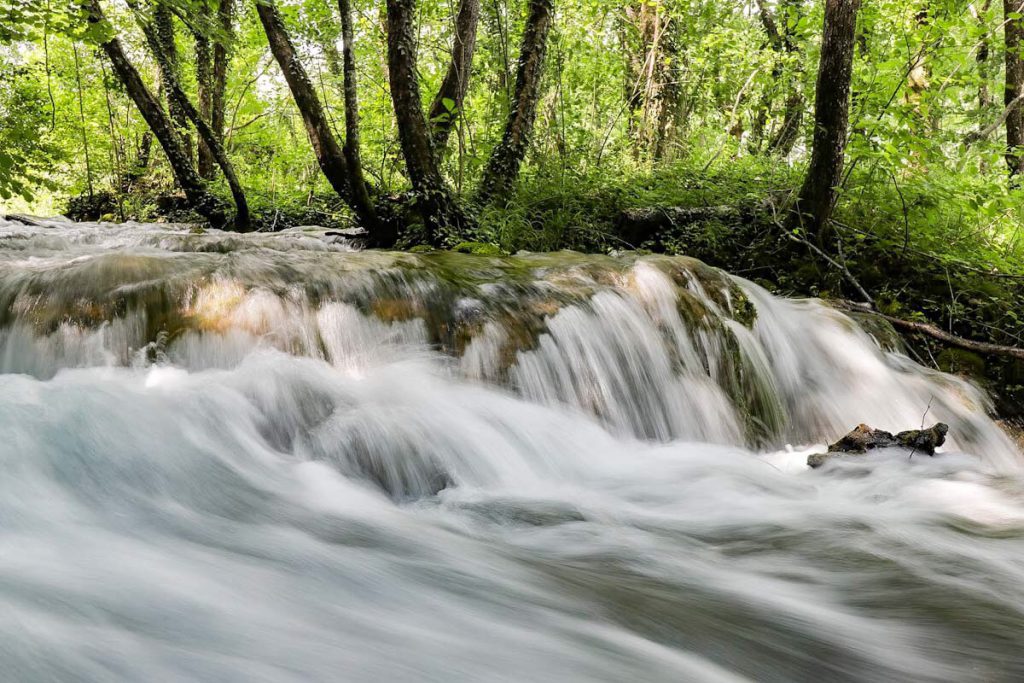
277	458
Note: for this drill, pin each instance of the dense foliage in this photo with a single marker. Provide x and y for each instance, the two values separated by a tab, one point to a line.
631	91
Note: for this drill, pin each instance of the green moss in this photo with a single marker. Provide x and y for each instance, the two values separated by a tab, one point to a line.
961	362
478	248
743	309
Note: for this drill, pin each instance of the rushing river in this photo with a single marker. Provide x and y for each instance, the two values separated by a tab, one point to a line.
273	458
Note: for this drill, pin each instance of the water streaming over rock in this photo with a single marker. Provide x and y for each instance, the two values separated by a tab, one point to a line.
271	457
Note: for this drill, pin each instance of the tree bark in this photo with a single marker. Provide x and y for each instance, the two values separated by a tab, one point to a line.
670	90
352	147
502	170
831	115
161	125
213	146
1014	33
221	62
785	137
329	154
164	20
447	105
442	216
204	92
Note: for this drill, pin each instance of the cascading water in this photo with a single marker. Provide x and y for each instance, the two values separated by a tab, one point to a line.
272	458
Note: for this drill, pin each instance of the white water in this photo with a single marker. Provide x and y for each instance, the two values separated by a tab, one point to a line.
269	459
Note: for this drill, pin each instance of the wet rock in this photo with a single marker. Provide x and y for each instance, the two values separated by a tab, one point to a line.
924	440
863	439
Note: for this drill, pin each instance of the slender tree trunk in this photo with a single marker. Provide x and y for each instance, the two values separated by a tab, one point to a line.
670	91
140	165
352	147
783	44
204	90
442	216
81	114
831	115
221	62
329	154
447	105
161	125
793	115
649	59
983	58
502	170
164	20
1014	32
213	146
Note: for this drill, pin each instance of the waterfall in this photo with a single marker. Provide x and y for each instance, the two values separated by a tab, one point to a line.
277	457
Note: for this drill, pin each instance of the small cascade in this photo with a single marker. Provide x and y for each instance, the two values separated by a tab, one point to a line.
656	348
274	457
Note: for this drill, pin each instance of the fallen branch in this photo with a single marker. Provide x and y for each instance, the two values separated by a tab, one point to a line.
24	219
934	332
977	135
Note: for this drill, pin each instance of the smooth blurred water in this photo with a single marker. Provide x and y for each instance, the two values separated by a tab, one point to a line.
272	458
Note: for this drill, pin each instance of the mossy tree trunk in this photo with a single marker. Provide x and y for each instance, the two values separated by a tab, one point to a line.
1014	33
163	18
442	216
831	116
221	63
502	170
447	105
204	93
385	234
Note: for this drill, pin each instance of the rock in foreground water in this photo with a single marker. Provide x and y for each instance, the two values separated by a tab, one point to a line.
863	439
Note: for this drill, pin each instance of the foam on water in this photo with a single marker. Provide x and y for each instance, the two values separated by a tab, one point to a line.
269	458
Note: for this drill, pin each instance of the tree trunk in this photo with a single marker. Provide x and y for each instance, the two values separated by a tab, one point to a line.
783	44
209	140
447	105
352	148
221	62
831	115
164	20
204	90
502	169
1014	32
650	41
329	154
668	97
793	116
441	214
161	125
983	58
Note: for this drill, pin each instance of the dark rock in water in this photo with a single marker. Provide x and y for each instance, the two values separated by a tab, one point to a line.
863	439
924	440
